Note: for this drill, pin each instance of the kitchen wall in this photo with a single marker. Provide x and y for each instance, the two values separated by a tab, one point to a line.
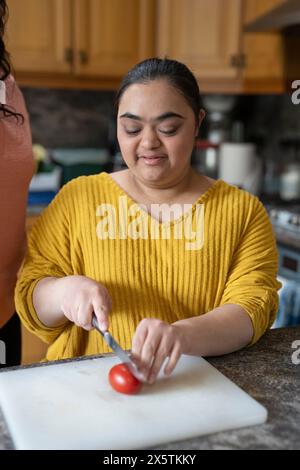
70	118
269	119
78	118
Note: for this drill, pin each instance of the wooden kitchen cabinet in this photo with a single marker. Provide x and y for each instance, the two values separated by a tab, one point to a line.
263	53
208	36
33	349
93	43
203	34
39	35
111	35
77	43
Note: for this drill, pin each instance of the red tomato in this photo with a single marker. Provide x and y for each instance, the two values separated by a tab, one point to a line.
122	380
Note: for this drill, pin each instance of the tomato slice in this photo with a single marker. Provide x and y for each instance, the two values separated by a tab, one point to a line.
122	380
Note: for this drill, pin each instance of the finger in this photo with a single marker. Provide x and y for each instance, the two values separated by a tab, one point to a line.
138	341
106	297
149	352
173	359
162	353
84	316
101	312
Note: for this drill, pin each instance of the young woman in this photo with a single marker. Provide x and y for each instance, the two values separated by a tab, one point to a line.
16	170
169	260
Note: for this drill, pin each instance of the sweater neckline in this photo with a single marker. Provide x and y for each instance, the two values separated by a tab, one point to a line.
200	200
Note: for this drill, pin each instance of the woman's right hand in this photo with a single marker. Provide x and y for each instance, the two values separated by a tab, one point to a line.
81	298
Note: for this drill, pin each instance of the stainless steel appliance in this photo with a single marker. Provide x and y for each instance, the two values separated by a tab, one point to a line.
286	224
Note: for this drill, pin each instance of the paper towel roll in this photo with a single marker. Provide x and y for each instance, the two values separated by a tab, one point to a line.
236	162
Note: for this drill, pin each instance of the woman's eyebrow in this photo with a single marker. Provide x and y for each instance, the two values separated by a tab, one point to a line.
160	118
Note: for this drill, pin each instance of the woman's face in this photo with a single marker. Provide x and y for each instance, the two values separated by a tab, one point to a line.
156	132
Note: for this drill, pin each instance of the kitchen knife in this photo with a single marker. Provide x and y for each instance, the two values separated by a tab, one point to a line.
122	355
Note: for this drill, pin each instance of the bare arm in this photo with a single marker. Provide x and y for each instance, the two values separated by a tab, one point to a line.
47	301
74	298
220	331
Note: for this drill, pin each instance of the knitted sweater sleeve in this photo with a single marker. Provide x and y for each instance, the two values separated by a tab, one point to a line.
251	281
48	255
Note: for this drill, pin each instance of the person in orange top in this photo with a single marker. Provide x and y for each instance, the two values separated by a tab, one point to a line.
16	170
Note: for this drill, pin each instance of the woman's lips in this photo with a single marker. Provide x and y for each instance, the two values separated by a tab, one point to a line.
152	160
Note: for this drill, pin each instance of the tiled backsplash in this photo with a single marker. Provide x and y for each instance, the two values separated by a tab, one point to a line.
78	118
69	118
268	120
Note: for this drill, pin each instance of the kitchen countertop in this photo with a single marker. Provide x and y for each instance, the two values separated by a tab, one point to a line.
267	373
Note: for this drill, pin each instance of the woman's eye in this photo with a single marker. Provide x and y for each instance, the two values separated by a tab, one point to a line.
163	131
132	131
168	131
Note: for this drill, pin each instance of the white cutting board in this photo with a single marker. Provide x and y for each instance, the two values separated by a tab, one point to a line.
72	406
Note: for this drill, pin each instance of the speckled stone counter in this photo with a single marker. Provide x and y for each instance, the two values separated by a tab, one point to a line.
267	372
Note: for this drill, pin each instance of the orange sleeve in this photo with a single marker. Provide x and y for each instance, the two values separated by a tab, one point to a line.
16	170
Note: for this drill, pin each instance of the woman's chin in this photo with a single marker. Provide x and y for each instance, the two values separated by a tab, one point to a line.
152	172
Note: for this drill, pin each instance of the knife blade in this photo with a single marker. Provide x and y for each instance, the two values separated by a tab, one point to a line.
122	355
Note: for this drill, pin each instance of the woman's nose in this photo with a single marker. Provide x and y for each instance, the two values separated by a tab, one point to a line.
150	140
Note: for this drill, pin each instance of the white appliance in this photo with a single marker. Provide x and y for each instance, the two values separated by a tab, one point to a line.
218	109
240	166
72	406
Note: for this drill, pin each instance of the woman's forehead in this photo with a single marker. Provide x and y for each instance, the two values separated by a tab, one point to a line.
157	95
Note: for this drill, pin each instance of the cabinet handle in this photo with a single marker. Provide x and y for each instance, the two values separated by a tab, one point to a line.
234	60
238	60
83	57
69	55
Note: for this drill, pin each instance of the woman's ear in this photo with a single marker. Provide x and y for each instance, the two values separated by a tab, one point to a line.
202	115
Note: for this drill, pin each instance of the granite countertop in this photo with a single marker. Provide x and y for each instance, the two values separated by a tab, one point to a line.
265	371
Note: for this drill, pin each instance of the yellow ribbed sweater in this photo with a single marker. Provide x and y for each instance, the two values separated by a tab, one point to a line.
150	277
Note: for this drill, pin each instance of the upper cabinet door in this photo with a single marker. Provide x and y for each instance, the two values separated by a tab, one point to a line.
112	35
204	34
263	51
39	35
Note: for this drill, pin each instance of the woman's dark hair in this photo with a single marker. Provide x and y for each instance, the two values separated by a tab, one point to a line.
5	68
4	62
178	75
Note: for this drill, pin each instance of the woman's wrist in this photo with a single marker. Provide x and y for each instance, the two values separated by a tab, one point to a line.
222	330
182	332
47	300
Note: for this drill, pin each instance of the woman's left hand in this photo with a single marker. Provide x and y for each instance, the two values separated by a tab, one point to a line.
154	341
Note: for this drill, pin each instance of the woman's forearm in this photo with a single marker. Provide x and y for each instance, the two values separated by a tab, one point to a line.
220	331
47	300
